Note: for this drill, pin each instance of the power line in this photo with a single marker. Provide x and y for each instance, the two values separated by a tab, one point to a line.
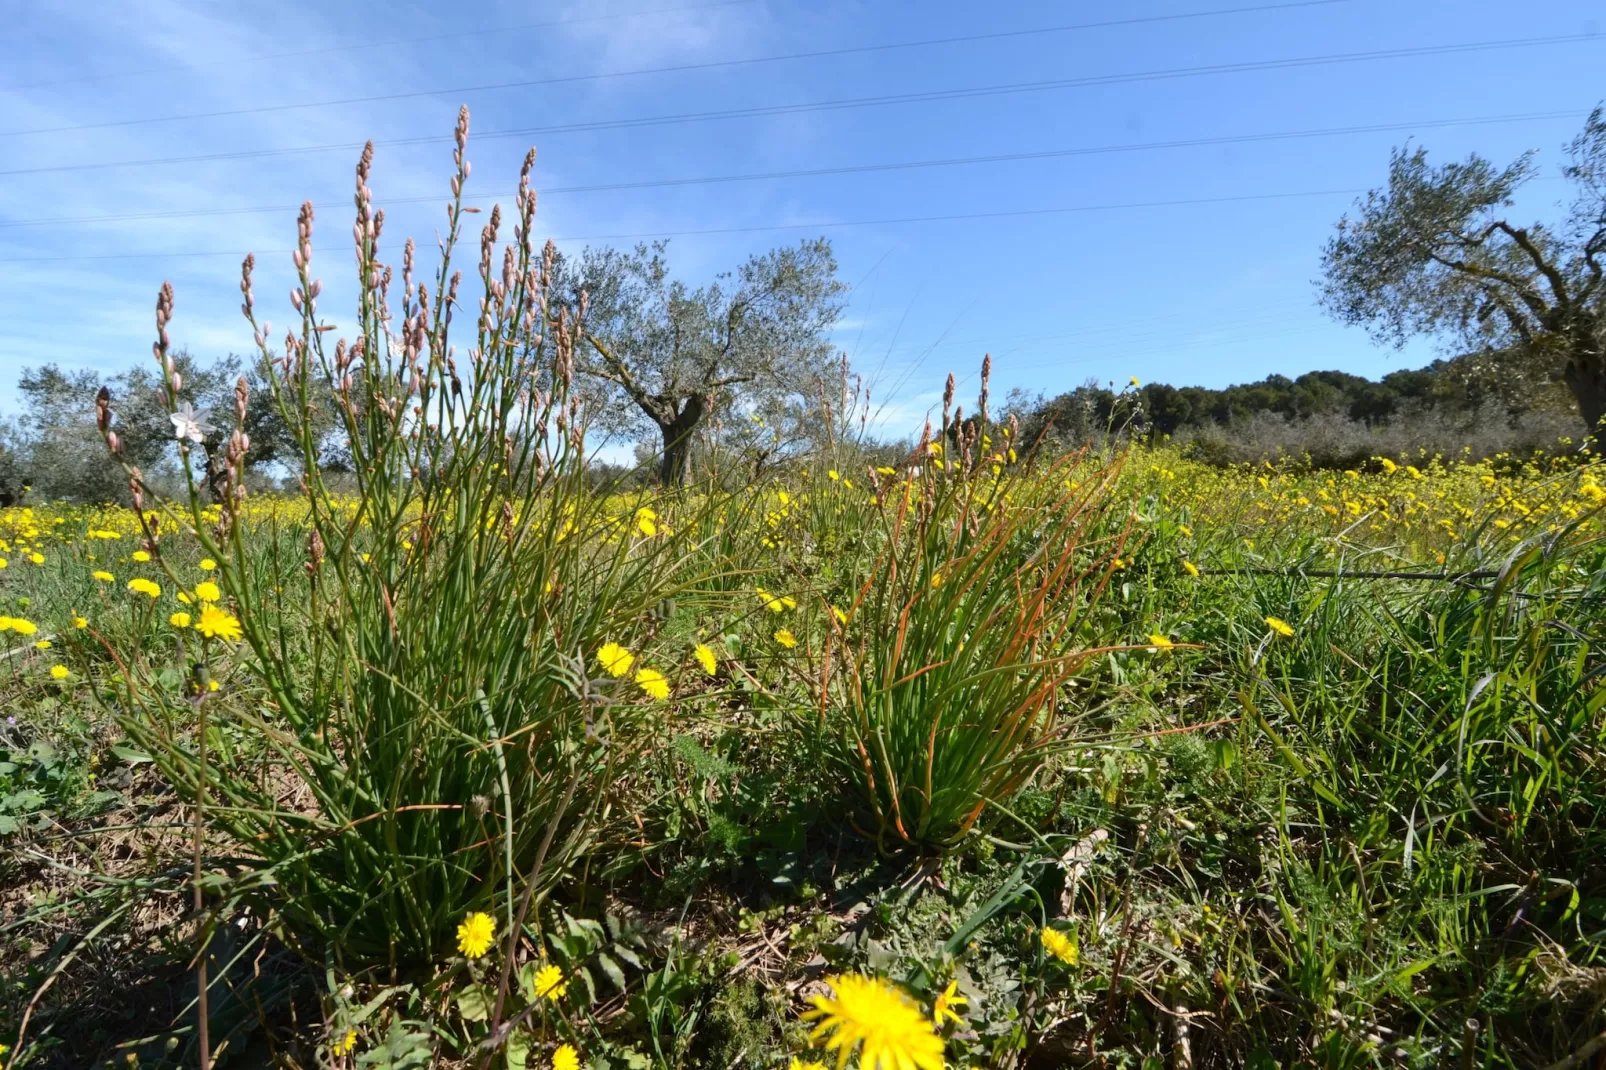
692	117
265	56
814	172
684	67
955	217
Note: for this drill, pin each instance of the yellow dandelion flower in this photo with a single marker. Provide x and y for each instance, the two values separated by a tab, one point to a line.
894	1032
786	638
43	644
652	681
799	1064
79	622
207	565
207	591
37	559
179	620
776	603
566	1058
141	556
215	623
23	626
345	1044
475	935
1061	946
705	657
1190	568
550	984
104	577
841	617
615	660
1160	642
943	1006
646	521
1280	626
148	588
59	672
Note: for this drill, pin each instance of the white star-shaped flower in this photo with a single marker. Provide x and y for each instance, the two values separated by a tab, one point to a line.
191	423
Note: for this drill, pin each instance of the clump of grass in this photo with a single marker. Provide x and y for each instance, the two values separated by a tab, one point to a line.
945	692
428	732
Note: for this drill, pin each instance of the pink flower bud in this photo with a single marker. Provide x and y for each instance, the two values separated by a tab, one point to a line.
295	298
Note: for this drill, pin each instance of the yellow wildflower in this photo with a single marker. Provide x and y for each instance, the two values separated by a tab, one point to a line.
1160	642
79	622
104	577
646	521
207	591
148	588
179	620
894	1033
615	660
786	638
705	657
59	672
1061	946
566	1058
652	681
1190	568
776	603
1280	626
215	623
207	565
141	556
345	1044
943	1006
549	983
475	935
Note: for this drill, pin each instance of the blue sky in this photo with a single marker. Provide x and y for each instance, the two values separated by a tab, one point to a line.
1067	266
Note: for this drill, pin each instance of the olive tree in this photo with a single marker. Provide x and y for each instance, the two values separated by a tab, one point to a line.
664	357
1436	252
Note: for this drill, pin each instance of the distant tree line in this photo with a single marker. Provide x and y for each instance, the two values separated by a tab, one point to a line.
52	450
1335	417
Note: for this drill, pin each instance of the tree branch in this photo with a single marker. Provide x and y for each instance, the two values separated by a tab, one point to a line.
1535	303
1552	274
622	376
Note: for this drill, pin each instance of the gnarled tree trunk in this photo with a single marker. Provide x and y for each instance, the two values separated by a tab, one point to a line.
677	438
1585	375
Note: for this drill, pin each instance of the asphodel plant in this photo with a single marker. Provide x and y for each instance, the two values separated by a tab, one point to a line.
946	689
424	732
